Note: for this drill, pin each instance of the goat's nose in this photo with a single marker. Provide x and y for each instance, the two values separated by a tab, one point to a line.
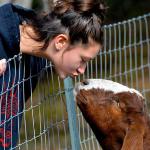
85	82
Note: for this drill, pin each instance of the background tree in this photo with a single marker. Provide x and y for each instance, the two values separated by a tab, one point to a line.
118	9
25	3
124	9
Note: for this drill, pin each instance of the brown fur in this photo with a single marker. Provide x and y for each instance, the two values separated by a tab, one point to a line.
119	121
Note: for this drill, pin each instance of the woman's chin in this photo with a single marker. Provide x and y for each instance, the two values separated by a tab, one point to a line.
62	75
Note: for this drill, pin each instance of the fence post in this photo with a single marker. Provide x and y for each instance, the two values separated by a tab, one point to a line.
75	142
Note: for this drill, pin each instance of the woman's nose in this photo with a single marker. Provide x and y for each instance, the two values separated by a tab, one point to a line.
81	69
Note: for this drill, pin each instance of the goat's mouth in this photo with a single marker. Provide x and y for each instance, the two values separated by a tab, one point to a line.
79	86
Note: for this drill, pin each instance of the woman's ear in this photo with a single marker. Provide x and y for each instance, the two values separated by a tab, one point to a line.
61	42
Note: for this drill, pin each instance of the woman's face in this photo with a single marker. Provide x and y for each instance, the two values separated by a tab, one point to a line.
72	61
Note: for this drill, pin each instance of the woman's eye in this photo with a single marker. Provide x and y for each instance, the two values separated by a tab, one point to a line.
83	61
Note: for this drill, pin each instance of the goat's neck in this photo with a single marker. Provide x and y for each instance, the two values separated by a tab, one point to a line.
147	136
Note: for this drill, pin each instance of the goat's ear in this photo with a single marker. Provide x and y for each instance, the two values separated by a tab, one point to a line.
134	138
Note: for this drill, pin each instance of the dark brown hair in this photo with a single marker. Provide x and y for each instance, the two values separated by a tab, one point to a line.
80	19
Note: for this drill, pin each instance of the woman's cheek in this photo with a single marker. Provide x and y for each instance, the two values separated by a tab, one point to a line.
71	66
71	62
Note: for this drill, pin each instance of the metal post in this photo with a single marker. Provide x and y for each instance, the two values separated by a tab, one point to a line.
71	114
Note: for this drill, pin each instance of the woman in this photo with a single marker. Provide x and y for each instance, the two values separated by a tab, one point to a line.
69	36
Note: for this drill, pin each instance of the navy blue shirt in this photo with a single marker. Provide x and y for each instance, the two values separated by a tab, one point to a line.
14	88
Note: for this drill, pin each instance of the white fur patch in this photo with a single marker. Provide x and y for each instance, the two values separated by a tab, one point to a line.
106	85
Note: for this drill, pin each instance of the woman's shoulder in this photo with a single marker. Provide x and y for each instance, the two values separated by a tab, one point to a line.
6	5
5	10
9	31
10	8
13	6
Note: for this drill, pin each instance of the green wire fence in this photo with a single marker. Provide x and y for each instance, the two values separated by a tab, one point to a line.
50	118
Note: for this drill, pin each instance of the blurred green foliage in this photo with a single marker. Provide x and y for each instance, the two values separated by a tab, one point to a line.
124	9
37	5
118	9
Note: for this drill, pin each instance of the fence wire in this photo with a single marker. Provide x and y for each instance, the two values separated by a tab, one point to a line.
125	58
41	114
38	120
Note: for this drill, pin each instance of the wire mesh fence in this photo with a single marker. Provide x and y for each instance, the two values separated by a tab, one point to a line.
40	114
125	58
39	120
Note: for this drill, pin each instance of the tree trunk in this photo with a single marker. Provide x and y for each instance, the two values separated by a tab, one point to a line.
25	3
